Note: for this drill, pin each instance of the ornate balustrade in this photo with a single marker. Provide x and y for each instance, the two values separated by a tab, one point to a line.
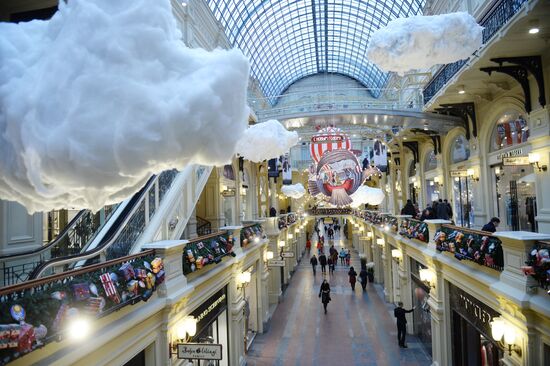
251	234
473	245
495	18
414	229
40	311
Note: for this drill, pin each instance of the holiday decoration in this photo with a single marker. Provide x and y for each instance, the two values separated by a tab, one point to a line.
127	271
9	335
81	291
414	229
336	173
470	245
109	287
538	265
17	313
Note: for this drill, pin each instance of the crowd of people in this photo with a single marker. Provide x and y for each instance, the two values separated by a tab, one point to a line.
440	209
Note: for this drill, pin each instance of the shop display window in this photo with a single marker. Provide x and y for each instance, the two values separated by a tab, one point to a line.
515	200
511	129
463	211
460	150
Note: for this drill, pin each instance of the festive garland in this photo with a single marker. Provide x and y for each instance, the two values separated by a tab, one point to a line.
249	233
414	229
198	254
538	265
35	316
482	249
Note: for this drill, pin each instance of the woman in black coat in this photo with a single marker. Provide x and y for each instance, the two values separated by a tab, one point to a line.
324	294
352	278
363	278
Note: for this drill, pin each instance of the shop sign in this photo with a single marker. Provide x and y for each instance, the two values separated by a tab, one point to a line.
509	154
287	255
276	263
473	310
200	351
517	160
459	173
210	309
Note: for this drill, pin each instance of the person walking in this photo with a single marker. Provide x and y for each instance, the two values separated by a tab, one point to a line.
342	256
348	257
399	313
352	278
324	294
323	262
409	209
308	245
314	263
363	278
441	211
330	262
492	225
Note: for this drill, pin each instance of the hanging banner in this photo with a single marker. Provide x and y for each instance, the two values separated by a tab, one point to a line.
380	156
286	168
335	173
272	170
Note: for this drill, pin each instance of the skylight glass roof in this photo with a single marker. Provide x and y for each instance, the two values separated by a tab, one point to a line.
287	40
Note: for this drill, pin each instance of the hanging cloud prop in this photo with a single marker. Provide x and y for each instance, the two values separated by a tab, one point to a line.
293	191
95	100
265	141
420	42
367	195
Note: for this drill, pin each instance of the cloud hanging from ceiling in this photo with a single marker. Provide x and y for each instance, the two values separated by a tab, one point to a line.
104	94
367	195
420	42
294	190
265	141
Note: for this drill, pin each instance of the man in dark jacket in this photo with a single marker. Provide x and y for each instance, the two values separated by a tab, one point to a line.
399	313
323	262
441	211
409	209
491	226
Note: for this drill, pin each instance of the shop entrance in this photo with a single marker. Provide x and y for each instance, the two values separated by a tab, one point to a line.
515	201
462	194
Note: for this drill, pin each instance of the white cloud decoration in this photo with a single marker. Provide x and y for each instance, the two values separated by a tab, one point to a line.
420	42
95	100
265	141
367	195
293	190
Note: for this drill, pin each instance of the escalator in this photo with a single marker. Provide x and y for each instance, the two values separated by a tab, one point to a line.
137	220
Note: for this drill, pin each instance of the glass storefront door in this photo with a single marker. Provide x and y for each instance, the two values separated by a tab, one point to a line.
462	201
515	199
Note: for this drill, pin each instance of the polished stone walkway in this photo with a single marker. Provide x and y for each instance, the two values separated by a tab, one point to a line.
359	328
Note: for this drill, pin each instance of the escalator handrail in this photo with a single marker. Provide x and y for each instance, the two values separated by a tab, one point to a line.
53	242
110	236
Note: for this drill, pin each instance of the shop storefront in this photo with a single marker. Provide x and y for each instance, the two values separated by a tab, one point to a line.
513	178
463	205
212	326
251	307
472	344
422	320
431	184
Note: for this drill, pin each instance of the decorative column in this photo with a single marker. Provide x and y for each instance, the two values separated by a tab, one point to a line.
386	263
405	285
237	321
263	276
274	280
441	327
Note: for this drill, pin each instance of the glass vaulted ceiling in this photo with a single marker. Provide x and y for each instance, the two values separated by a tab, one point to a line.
287	40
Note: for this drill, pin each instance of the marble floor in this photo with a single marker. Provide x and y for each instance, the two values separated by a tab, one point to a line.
359	328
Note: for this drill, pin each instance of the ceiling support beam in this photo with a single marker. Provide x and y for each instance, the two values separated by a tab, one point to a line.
466	112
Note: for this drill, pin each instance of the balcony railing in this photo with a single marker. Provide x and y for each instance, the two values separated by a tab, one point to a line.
414	229
472	245
38	312
251	234
207	250
495	18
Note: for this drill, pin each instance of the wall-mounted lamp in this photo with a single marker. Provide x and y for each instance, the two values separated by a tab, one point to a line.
505	334
426	276
380	242
460	89
281	244
431	183
361	229
437	180
534	160
472	174
243	279
185	329
397	255
268	255
534	26
386	227
369	234
497	170
290	236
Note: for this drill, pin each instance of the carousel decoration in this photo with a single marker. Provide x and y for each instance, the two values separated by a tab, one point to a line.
335	173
